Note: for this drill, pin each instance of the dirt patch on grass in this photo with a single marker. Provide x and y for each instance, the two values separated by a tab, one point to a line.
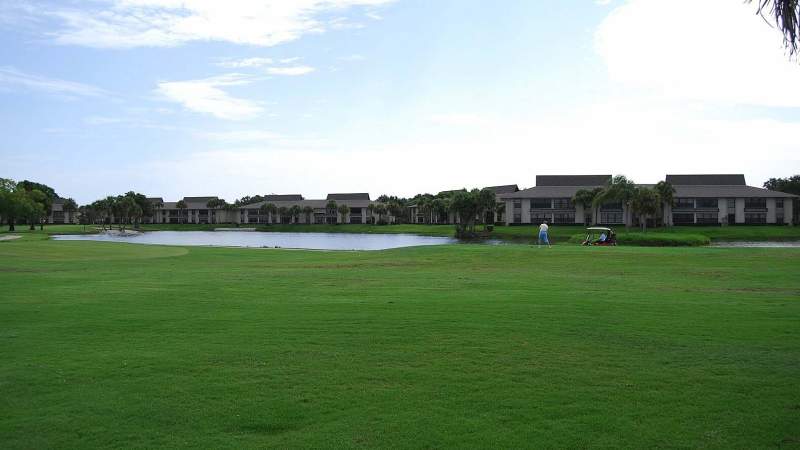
10	237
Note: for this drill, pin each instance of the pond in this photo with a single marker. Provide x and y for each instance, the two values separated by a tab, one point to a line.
758	244
312	241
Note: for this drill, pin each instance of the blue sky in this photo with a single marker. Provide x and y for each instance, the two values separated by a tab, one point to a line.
174	98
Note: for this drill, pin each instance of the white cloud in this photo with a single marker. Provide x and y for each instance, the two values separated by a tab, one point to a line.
290	71
164	23
244	63
240	136
12	78
206	96
290	60
710	50
352	58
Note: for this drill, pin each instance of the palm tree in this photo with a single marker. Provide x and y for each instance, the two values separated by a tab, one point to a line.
787	17
263	210
271	210
380	210
371	211
330	210
69	207
587	198
645	204
343	210
157	205
620	189
295	211
666	195
309	213
282	212
181	206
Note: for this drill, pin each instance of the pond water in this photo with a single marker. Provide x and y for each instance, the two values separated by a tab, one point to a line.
313	241
760	244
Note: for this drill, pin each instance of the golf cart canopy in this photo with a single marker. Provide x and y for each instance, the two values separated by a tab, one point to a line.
598	229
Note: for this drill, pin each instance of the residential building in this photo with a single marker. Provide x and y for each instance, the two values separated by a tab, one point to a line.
294	209
431	216
705	199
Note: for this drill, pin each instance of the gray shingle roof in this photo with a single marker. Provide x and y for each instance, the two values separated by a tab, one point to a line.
545	192
504	189
707	179
726	191
283	197
351	196
572	180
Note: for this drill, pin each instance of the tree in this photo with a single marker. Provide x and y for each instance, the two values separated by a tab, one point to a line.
157	205
8	201
620	189
309	213
586	198
371	211
330	209
666	195
343	211
486	202
465	205
645	203
271	210
295	211
69	207
500	209
440	206
35	207
283	212
218	204
181	206
787	17
381	210
263	210
88	215
790	185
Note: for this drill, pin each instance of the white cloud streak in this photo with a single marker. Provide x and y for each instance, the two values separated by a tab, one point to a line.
166	23
290	71
12	78
206	96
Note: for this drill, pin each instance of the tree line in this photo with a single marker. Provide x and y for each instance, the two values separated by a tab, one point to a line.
643	201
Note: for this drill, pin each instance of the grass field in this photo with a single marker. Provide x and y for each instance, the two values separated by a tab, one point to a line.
119	345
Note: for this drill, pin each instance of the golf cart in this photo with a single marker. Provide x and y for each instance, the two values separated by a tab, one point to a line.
600	236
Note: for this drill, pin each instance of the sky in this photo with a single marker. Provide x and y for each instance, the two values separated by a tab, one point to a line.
176	98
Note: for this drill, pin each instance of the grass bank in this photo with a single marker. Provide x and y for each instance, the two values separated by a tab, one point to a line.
119	345
560	234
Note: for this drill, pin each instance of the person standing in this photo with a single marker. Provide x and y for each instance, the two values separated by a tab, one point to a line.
543	231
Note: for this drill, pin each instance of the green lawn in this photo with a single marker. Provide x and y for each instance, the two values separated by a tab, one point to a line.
119	345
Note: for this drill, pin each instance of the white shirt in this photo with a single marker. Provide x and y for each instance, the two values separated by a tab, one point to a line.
543	227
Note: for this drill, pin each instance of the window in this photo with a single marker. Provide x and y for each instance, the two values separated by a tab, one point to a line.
707	203
611	206
541	203
517	204
568	217
540	217
355	218
611	217
755	203
517	218
779	218
707	218
779	203
562	203
355	211
682	218
731	205
755	218
684	203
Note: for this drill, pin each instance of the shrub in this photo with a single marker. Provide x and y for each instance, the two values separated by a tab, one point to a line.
654	239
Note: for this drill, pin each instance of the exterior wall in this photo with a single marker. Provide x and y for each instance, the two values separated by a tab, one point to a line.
526	210
739	210
770	210
722	215
788	210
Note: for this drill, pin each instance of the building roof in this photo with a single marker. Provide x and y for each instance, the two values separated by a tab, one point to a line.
198	202
572	180
155	199
707	179
314	203
545	192
727	191
282	197
504	189
352	196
